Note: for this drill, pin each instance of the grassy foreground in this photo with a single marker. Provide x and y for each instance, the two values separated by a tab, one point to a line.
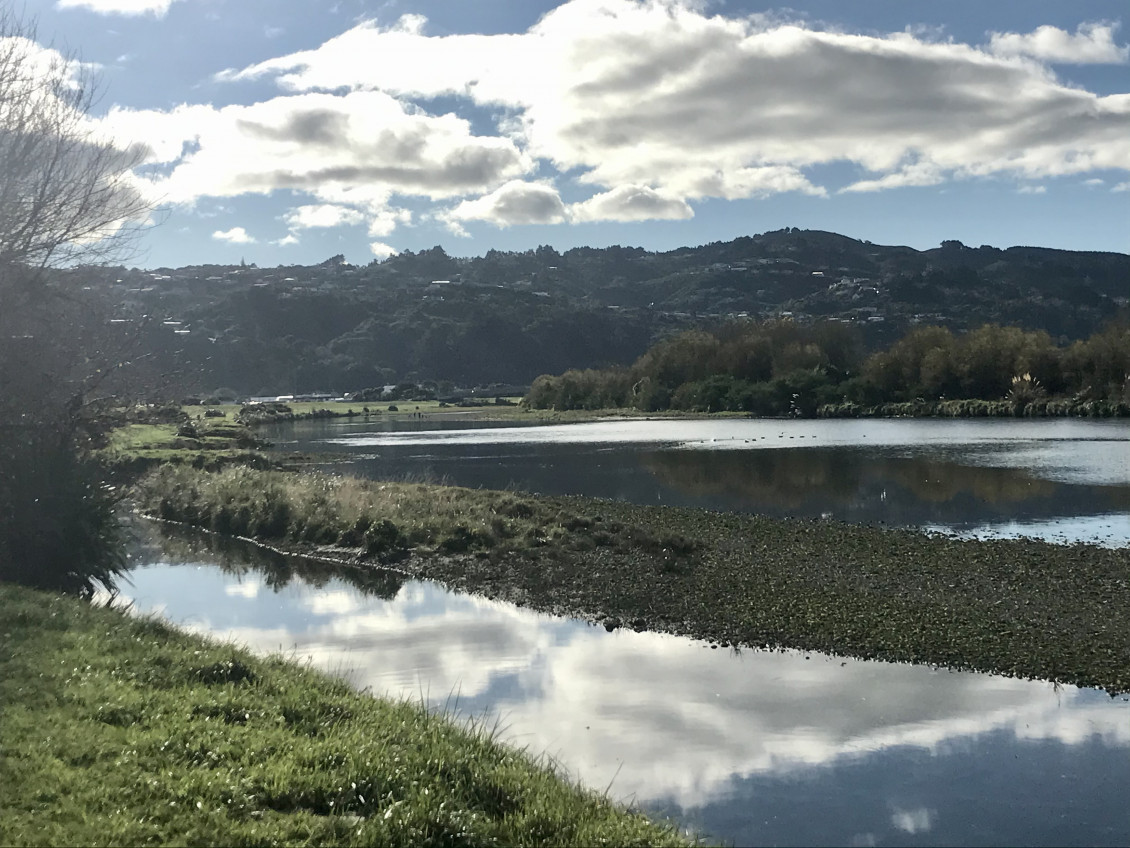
1017	607
124	731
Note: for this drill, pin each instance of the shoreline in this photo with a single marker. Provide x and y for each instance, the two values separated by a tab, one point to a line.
1016	607
125	730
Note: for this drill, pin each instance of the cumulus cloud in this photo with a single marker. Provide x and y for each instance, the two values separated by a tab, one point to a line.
119	7
322	215
381	220
1032	189
630	203
1091	44
662	94
647	105
516	202
236	235
351	152
316	141
381	250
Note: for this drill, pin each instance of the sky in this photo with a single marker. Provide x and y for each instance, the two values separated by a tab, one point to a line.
284	132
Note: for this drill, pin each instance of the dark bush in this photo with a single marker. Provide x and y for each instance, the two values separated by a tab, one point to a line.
58	528
383	537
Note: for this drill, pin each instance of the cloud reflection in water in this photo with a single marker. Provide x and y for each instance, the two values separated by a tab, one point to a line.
659	718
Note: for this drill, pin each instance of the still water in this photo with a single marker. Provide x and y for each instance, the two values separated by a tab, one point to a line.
780	748
1063	480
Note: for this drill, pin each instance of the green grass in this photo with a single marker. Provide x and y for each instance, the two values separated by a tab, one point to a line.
123	731
386	520
210	435
135	447
1016	607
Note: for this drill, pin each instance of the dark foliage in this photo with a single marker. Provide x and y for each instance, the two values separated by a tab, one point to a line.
58	529
510	316
783	368
63	202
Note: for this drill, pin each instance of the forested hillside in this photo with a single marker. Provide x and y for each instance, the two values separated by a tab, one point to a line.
508	317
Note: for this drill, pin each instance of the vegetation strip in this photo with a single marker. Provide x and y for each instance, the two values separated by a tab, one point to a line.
1017	607
125	731
782	367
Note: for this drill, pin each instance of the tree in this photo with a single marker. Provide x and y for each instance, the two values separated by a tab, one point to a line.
67	197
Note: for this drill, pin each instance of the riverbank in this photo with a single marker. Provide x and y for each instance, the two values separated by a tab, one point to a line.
125	731
215	436
1016	607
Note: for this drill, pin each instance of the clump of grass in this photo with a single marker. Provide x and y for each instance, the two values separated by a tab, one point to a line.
124	731
383	520
133	448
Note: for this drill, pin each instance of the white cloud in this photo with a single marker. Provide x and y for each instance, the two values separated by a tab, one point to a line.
381	250
119	7
350	152
287	240
919	820
1095	181
381	220
317	143
384	221
236	235
42	65
661	94
516	202
1122	187
1092	43
649	105
630	203
912	174
322	215
1031	189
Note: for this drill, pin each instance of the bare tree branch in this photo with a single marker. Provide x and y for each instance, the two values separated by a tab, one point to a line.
66	191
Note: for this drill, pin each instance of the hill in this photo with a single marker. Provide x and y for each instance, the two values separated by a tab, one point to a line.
510	316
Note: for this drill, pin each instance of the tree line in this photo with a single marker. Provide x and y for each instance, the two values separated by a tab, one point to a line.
780	367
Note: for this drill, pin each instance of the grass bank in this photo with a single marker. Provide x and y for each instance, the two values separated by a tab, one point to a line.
218	435
1016	607
133	447
123	731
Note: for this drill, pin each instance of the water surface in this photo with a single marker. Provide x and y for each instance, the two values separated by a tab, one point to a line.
1064	480
750	747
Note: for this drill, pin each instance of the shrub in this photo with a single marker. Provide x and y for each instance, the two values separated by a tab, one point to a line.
58	527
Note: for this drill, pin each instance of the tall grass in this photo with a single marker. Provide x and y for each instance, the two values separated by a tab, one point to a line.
386	520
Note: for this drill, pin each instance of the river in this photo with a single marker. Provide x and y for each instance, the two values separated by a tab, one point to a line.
747	747
1064	480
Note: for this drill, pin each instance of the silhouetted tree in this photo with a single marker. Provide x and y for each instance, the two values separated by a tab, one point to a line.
66	197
